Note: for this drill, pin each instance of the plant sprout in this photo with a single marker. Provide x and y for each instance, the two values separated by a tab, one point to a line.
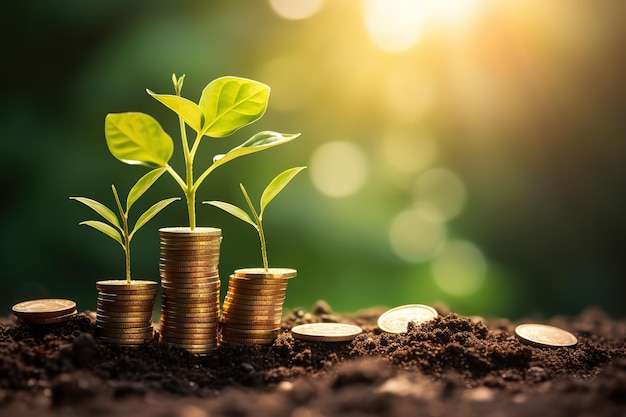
271	191
226	105
119	231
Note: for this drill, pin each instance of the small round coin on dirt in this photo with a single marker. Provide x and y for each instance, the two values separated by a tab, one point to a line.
44	311
542	335
326	332
397	319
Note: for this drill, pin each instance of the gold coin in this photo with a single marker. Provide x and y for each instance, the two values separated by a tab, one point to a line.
207	328
123	324
189	325
201	348
260	291
118	332
397	319
235	332
44	308
248	340
251	309
280	273
121	308
115	285
326	332
542	335
198	287
129	318
173	316
269	283
127	298
197	231
250	318
236	295
244	326
254	301
47	320
125	341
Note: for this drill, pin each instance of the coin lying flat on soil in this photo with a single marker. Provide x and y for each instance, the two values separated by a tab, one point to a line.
326	332
397	319
45	311
542	335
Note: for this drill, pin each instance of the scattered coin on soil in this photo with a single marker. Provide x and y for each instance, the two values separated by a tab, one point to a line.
397	319
543	335
326	332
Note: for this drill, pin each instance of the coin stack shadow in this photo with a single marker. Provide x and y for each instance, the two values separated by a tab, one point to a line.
253	306
190	281
124	314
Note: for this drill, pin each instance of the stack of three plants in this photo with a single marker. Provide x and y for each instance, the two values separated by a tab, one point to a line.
189	256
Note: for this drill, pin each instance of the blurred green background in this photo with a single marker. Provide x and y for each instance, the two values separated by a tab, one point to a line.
469	152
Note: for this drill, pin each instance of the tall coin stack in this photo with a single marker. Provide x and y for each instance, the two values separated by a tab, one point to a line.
124	314
253	307
190	281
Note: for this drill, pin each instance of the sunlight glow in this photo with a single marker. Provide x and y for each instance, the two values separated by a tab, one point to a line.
439	194
338	169
397	25
296	9
460	268
415	238
409	153
393	25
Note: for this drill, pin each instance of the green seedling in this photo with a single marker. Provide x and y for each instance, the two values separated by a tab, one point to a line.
271	191
119	231
226	105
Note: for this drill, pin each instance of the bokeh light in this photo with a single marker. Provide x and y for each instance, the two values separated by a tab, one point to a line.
437	133
460	268
296	9
338	169
439	194
414	238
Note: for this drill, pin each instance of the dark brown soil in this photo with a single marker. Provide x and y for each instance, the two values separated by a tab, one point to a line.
452	366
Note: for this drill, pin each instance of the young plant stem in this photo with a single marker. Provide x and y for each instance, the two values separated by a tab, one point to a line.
126	236
259	224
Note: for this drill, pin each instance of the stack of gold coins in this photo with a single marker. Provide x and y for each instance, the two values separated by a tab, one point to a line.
45	311
124	314
253	306
191	288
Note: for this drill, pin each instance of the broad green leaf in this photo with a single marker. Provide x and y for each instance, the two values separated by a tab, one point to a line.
230	103
106	229
187	109
101	209
258	142
276	185
150	213
137	139
234	210
142	186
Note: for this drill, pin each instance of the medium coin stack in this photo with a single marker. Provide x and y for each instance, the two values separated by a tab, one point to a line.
124	314
253	306
44	311
190	281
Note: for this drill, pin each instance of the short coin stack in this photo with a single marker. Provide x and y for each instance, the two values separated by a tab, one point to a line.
44	311
191	288
124	314
253	306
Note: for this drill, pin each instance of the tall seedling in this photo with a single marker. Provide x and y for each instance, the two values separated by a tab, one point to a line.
226	105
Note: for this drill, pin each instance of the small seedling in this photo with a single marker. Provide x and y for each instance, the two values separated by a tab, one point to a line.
119	231
271	191
226	105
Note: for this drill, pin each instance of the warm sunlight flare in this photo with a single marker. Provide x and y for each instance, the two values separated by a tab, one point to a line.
397	25
296	10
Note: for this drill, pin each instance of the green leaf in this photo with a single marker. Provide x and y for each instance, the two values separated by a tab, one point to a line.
101	209
142	186
137	139
258	142
106	229
187	109
150	213
276	186
230	103
234	210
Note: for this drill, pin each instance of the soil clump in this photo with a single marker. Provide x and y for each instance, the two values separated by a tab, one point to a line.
450	366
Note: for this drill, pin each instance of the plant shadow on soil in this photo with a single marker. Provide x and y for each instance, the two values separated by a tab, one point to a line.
450	366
